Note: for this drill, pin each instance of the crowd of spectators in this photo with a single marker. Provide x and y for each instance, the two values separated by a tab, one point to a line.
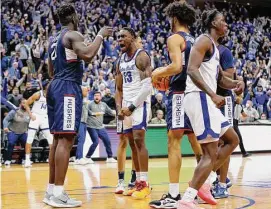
27	27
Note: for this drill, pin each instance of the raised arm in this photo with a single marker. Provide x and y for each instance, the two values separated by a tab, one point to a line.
175	44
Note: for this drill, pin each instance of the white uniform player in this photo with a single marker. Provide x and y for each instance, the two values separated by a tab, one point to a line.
207	120
131	86
39	110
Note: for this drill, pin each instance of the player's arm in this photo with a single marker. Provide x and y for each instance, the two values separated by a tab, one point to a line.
175	44
84	51
143	62
29	102
119	92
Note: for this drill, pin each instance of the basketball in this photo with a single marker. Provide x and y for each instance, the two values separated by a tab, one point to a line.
162	84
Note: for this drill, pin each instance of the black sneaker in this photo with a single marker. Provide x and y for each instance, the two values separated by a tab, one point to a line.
165	202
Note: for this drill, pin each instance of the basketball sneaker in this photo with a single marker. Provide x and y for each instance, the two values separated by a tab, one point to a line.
120	187
64	201
187	205
83	161
7	163
167	201
46	198
228	182
131	189
142	190
89	161
111	160
220	192
27	164
205	194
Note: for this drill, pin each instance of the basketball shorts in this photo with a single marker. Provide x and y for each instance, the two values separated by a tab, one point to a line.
228	109
137	121
206	119
64	102
41	123
176	117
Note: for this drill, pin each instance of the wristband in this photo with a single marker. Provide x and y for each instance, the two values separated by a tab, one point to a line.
132	108
100	36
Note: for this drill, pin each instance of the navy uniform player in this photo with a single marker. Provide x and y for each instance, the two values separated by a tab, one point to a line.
179	45
64	98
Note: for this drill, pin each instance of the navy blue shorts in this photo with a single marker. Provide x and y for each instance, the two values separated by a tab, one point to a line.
64	102
176	117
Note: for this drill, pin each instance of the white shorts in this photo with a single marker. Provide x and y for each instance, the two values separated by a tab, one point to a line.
41	123
206	119
137	121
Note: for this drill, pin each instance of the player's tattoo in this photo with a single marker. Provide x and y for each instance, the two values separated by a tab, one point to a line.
143	62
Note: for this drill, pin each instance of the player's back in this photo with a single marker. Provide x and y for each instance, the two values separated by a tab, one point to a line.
209	70
178	82
131	76
40	105
66	64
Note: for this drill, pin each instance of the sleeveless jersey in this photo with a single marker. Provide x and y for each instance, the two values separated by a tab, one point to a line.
40	106
177	82
67	66
131	76
209	70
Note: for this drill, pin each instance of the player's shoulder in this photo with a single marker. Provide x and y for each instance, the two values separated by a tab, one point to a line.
74	35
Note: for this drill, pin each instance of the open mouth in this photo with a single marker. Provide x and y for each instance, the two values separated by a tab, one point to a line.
122	45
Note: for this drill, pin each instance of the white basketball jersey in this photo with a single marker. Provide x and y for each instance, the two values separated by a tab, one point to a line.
40	106
209	71
131	76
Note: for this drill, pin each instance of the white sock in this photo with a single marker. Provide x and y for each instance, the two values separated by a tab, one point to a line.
174	189
58	190
143	176
189	194
27	156
50	188
138	176
218	177
223	185
211	178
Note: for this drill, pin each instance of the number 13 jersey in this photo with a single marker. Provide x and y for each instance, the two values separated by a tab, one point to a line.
131	84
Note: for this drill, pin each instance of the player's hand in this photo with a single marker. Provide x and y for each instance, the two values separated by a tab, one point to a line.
6	130
106	31
239	88
33	117
218	100
125	111
155	75
120	116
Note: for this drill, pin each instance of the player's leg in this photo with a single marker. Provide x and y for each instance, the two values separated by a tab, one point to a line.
95	141
30	138
195	146
103	135
22	138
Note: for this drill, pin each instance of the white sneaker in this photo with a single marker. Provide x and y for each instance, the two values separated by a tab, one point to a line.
27	164
120	187
83	161
89	161
111	160
7	162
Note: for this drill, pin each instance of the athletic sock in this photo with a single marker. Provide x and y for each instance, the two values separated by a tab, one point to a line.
218	177
27	156
189	194
174	189
133	176
121	175
143	176
58	190
50	189
223	185
138	176
211	178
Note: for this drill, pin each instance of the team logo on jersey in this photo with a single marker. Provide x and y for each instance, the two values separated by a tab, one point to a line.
177	111
69	113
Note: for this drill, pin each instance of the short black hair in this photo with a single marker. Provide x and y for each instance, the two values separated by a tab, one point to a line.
65	13
97	92
131	31
184	12
208	17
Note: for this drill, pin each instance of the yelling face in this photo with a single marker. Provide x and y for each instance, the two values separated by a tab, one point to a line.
125	40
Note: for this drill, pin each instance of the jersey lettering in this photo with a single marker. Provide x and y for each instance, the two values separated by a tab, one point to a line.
43	106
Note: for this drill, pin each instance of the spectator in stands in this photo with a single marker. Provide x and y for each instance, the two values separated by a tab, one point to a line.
159	105
14	72
110	101
15	125
252	113
23	50
29	91
159	118
15	97
261	99
111	83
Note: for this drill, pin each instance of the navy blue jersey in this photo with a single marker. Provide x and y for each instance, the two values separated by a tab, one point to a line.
226	62
177	82
67	66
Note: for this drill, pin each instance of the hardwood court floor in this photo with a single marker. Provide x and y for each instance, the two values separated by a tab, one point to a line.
24	188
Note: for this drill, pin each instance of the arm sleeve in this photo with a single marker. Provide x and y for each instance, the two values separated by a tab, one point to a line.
8	118
144	92
226	60
108	110
89	109
8	104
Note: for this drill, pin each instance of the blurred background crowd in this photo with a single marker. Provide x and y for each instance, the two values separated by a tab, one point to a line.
27	27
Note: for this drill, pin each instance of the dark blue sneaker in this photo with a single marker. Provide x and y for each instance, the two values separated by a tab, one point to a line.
228	182
220	192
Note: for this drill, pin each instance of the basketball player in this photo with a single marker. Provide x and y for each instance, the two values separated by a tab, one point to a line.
121	156
201	105
133	85
179	46
64	98
39	112
226	63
